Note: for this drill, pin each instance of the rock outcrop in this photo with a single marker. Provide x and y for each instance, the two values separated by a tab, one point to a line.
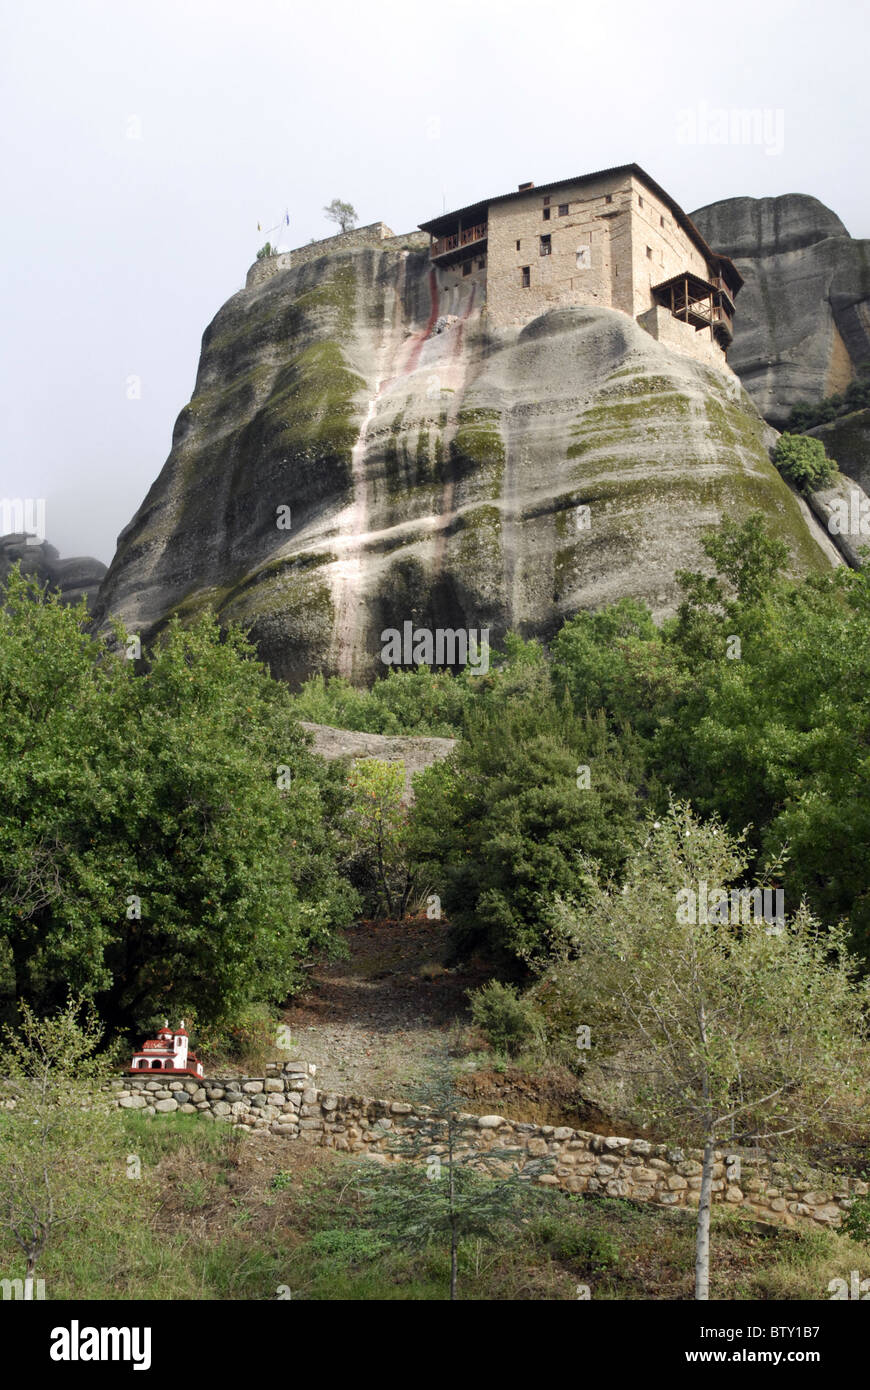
350	461
843	508
414	751
802	328
76	578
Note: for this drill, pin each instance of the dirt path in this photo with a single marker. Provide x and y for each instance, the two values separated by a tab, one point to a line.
373	1023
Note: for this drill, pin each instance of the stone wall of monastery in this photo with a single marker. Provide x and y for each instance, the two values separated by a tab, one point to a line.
374	234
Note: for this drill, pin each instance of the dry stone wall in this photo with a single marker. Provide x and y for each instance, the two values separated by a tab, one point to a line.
288	1102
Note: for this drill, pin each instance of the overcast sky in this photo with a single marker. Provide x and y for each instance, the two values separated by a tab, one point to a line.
143	142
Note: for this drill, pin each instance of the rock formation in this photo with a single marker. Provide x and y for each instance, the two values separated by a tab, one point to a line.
414	751
350	461
802	330
847	440
76	578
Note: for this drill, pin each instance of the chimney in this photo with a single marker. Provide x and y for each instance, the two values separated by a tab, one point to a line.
521	188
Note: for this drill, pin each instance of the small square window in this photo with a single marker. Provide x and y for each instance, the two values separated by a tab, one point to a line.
639	201
481	263
466	266
649	253
518	246
563	209
546	245
546	202
527	276
661	221
546	214
608	197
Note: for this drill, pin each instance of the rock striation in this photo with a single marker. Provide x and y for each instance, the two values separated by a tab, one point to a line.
802	330
352	460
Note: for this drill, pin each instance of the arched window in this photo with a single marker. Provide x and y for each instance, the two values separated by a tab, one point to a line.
155	1065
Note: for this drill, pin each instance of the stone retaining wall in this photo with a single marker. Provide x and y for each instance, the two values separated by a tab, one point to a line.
287	1102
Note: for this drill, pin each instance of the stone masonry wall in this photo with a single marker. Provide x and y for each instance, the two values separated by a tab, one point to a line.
603	254
375	234
287	1102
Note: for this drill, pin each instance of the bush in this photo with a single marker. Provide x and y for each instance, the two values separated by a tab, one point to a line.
504	821
805	415
509	1022
804	462
189	861
380	866
856	1222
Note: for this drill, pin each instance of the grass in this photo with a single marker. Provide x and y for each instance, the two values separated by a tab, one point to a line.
218	1215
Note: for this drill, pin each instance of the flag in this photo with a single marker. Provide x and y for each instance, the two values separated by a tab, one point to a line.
287	218
259	228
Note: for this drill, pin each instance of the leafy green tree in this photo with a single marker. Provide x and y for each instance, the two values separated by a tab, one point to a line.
803	460
770	740
167	840
423	701
615	660
708	1025
62	1149
266	251
503	821
342	213
378	822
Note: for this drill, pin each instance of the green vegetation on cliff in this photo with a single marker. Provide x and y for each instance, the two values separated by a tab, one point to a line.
167	841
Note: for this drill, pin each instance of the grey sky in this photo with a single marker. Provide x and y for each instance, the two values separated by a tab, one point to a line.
117	250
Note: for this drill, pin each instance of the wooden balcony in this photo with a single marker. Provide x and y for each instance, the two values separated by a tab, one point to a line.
451	247
701	303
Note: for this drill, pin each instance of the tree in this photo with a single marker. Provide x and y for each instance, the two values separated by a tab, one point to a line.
378	834
457	1195
711	1027
168	842
803	460
267	250
61	1148
342	213
504	819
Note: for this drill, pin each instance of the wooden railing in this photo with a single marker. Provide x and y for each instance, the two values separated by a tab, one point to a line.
721	315
459	239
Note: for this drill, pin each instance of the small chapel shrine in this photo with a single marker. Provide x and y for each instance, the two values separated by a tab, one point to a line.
167	1053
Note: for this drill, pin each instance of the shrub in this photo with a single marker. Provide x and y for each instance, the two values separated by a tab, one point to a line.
509	1022
856	1222
381	867
805	415
503	821
804	462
